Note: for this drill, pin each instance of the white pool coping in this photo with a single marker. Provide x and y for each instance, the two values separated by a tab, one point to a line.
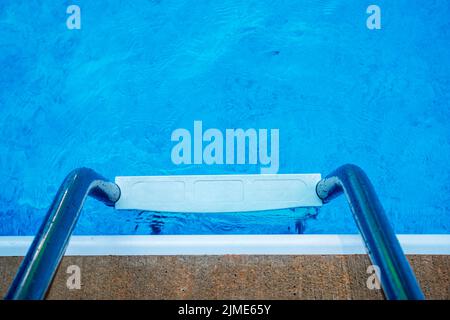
227	244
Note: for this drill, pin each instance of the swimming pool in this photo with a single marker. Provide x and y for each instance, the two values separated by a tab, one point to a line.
110	95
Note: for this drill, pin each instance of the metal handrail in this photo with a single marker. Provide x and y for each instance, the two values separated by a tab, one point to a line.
396	276
39	266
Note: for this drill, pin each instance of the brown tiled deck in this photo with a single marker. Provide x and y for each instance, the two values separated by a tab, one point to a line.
230	277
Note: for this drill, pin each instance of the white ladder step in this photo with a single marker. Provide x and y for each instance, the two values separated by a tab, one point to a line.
218	193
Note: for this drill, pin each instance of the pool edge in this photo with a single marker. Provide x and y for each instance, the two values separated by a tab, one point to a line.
132	245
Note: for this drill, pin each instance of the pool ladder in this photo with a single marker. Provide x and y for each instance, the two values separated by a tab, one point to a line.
39	266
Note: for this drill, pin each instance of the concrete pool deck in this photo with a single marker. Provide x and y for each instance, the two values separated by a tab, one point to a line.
230	277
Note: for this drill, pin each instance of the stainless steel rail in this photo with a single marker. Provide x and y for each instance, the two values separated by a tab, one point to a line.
396	276
39	266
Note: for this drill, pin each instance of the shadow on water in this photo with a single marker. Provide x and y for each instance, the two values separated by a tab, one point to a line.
292	221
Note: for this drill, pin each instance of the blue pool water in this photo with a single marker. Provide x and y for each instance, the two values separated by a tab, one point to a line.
108	97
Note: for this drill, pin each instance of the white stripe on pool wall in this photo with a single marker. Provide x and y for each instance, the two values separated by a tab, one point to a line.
227	244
